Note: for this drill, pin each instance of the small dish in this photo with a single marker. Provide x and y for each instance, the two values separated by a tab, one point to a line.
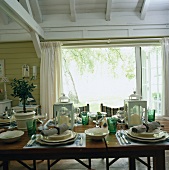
11	136
97	133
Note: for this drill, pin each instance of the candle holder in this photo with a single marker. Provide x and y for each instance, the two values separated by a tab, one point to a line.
136	110
64	114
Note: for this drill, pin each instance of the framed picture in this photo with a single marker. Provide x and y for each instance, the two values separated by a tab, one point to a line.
2	68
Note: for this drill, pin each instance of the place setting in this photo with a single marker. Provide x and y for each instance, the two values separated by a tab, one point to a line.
56	136
148	133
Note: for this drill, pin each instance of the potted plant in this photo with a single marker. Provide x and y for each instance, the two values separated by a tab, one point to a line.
22	88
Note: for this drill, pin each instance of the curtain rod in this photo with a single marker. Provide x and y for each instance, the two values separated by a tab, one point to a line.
109	41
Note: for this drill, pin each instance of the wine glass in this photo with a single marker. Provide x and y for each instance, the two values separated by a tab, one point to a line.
11	116
76	115
42	119
98	116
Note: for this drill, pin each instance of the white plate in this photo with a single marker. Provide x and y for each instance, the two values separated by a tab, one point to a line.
148	140
49	140
156	134
97	133
11	136
65	135
56	143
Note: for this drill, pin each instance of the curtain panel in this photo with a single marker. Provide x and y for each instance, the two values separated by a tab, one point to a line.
165	76
50	76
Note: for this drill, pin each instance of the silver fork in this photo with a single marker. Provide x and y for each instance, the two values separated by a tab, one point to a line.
124	138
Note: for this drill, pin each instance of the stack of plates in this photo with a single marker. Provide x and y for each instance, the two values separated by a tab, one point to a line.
65	138
4	122
154	136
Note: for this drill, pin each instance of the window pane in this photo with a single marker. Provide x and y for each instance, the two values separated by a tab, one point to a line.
152	77
99	75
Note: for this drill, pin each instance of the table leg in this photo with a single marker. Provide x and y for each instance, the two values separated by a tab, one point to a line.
159	160
132	163
5	165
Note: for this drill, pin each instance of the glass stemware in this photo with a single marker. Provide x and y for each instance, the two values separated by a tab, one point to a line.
76	115
98	116
42	120
11	116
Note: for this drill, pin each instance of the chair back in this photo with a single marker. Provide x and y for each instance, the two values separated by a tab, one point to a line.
84	108
109	110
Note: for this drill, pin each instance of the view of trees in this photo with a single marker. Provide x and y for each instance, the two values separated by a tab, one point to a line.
108	75
86	60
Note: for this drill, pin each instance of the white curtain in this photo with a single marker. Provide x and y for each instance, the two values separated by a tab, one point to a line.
50	76
165	76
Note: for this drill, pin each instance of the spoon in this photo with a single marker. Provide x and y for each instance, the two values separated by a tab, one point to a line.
32	140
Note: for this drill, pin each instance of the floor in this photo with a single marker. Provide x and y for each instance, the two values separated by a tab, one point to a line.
97	164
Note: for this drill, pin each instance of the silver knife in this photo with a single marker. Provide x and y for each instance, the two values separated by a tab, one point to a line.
81	141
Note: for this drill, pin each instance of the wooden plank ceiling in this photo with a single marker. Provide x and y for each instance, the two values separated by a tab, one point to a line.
38	20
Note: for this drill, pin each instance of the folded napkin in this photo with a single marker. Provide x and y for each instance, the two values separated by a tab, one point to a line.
139	129
56	130
145	127
151	126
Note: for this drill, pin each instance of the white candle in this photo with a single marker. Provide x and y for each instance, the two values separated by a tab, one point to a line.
64	119
135	119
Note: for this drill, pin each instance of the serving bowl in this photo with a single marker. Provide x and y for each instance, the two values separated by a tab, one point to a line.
11	136
97	133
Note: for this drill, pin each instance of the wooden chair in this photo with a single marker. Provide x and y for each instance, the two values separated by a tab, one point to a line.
49	165
109	110
84	108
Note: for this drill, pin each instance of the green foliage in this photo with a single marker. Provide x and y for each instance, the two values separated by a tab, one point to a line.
22	89
156	95
87	59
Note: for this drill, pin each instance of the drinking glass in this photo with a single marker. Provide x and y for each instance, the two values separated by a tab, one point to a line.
31	126
151	115
85	118
112	124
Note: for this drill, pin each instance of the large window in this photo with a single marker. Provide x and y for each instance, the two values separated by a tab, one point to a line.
106	75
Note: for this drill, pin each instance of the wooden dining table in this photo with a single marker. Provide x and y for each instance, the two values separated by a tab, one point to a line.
107	148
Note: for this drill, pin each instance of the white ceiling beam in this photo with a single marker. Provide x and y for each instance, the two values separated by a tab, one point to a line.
72	10
36	10
108	10
36	43
144	9
34	35
28	7
15	11
4	17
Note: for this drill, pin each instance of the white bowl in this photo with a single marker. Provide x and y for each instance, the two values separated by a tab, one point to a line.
97	133
11	136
